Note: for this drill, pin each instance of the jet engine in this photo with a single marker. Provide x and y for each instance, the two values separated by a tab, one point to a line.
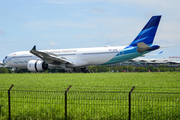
37	66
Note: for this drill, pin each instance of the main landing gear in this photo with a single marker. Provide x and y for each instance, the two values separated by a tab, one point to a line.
72	70
16	70
67	70
85	70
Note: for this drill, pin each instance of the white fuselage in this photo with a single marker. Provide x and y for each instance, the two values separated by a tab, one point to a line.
89	56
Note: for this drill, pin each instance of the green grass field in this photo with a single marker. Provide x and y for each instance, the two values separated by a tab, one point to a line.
169	79
92	96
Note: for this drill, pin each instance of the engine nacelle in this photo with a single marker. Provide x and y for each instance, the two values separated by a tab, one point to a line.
37	66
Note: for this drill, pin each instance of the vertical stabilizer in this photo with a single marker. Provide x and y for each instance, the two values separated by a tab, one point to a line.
148	33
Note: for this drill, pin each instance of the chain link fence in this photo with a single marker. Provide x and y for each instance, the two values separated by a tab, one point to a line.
88	102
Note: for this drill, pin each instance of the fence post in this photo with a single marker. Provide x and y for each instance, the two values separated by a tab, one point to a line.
9	101
130	102
66	101
0	110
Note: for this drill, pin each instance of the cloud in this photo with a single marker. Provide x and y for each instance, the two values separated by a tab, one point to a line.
2	32
161	42
168	33
42	25
58	2
148	3
111	41
85	36
114	26
53	43
98	10
44	36
63	2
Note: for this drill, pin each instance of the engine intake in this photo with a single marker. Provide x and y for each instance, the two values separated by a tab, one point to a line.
37	66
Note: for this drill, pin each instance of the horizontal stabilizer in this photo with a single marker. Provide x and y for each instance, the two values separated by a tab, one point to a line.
142	47
159	53
169	46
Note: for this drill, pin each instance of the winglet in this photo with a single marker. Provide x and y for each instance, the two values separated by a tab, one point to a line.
34	48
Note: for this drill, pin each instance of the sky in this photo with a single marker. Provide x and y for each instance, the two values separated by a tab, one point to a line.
61	24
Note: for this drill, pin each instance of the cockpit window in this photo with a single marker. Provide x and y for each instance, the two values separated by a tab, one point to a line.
5	57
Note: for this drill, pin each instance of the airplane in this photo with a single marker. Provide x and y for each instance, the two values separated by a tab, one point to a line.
1	63
40	60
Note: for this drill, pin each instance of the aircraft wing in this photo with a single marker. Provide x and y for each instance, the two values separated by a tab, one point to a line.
49	58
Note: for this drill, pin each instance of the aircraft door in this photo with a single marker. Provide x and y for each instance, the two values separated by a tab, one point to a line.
79	53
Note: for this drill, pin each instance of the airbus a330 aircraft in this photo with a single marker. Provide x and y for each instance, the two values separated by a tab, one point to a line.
40	60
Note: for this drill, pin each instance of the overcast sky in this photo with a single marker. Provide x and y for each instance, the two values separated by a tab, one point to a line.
60	24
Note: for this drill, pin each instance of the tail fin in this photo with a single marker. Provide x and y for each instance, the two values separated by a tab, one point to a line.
147	34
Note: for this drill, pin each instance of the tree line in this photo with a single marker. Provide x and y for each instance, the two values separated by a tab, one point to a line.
130	68
99	69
